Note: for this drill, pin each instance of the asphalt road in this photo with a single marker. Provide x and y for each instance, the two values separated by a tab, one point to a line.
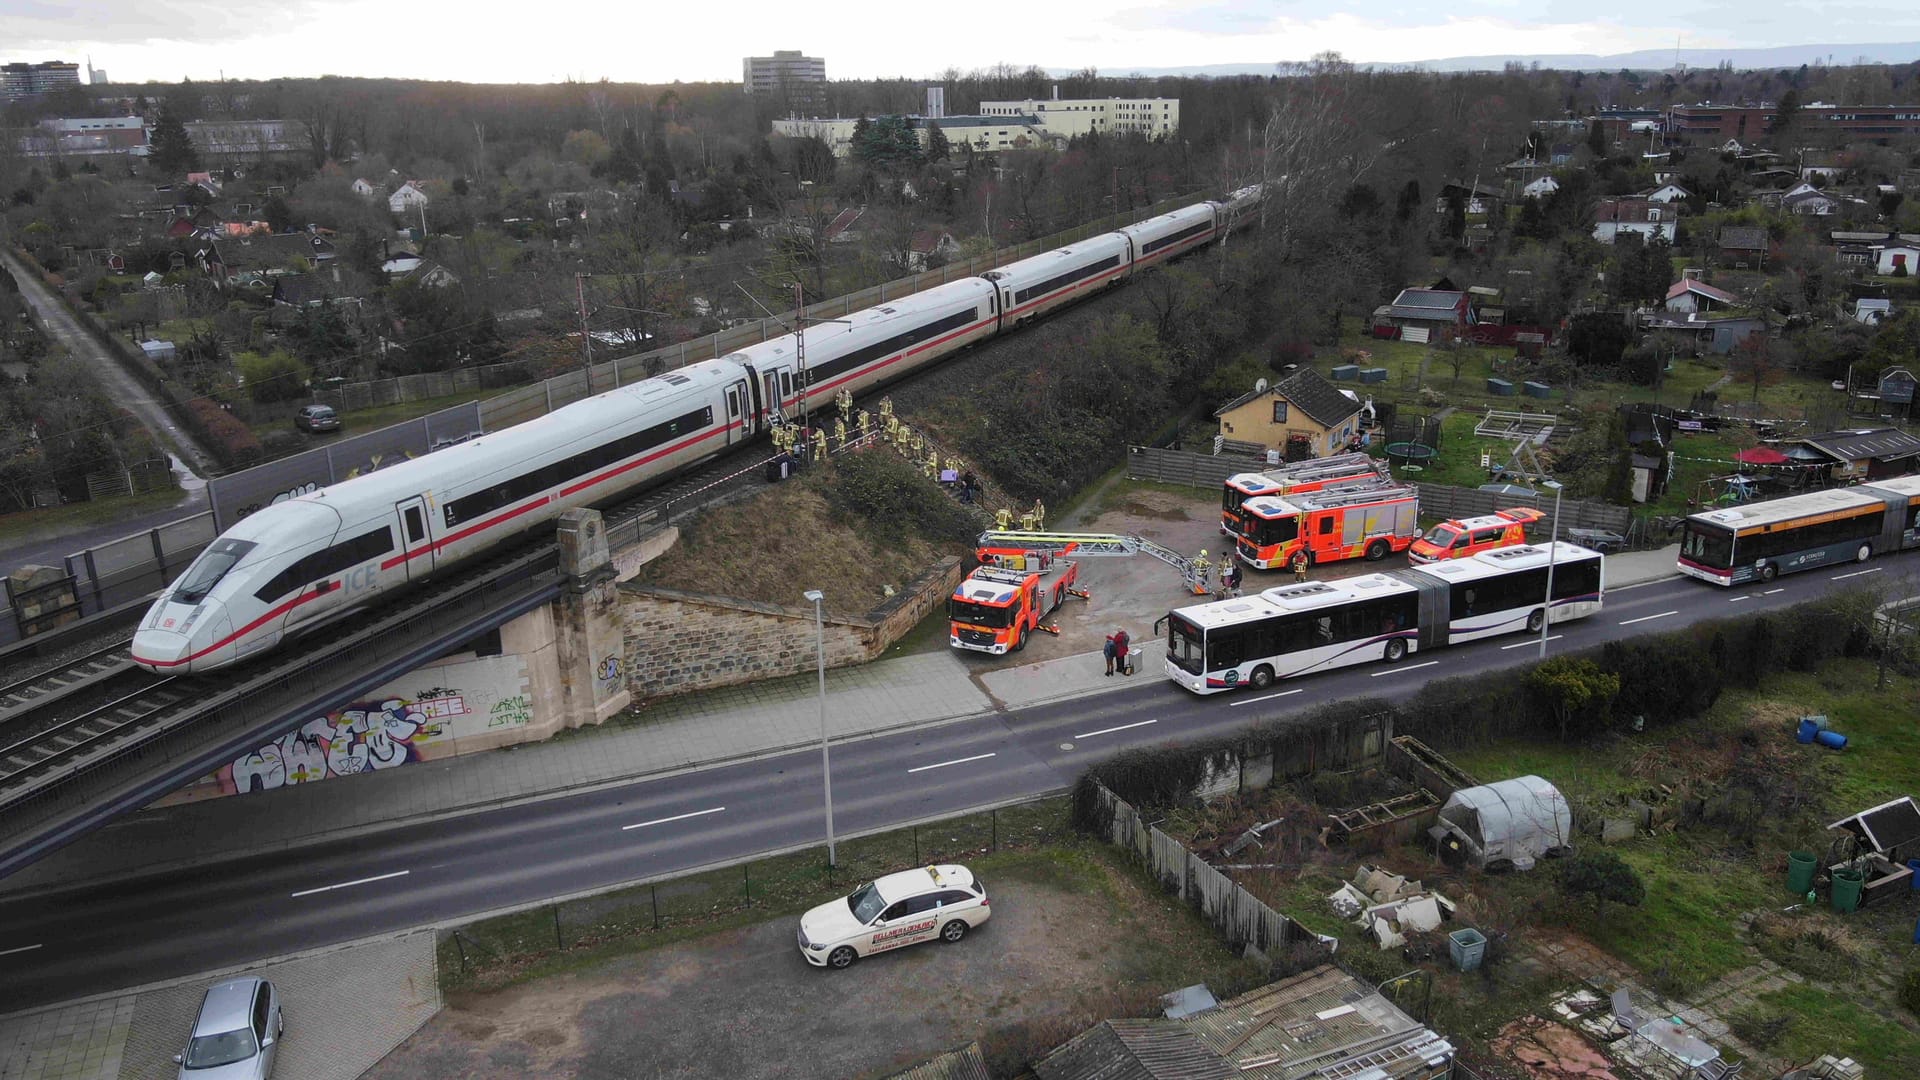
60	324
64	944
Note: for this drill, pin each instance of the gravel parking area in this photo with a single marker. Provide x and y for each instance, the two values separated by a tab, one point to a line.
1068	934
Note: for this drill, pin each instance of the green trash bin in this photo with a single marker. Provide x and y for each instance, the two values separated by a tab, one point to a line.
1846	890
1800	868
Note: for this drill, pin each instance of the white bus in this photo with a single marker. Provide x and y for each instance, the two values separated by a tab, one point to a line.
1760	541
1317	626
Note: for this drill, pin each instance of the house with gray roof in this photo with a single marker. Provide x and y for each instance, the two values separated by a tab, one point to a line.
1867	453
1746	246
1301	410
1442	313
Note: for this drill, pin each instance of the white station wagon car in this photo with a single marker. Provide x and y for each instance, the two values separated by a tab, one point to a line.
899	909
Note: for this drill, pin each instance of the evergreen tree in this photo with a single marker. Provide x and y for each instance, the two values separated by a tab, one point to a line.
937	145
172	151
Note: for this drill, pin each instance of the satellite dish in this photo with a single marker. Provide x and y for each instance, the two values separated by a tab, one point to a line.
1259	386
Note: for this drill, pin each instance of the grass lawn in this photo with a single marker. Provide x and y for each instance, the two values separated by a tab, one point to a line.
1826	1023
28	526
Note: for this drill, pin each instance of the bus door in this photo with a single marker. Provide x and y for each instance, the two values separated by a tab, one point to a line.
415	543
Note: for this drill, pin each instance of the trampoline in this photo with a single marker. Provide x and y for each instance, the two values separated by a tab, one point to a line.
1410	453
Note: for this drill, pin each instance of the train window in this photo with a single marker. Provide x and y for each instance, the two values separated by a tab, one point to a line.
535	481
209	568
317	567
733	404
416	526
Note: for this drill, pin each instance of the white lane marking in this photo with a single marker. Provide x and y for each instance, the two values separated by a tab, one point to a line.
351	884
1649	618
23	948
1770	592
1111	730
1398	670
676	817
1524	644
1737	599
1269	697
955	761
1856	573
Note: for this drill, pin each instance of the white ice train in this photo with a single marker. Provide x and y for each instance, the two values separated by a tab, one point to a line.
294	563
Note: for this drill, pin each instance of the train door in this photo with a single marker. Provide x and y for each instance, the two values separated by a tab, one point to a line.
776	403
415	542
738	424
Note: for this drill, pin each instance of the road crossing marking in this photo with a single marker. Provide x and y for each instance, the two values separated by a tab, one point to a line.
1269	697
1409	667
1649	618
1111	730
955	761
676	817
351	884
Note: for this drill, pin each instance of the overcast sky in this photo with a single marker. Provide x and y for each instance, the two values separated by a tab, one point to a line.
664	40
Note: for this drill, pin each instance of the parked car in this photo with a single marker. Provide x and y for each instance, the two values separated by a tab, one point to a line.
313	419
1462	537
237	1036
907	908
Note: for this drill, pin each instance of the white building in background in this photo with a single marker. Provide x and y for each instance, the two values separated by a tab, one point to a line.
1153	117
785	69
983	133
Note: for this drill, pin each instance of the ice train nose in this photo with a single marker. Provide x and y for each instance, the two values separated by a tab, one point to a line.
200	645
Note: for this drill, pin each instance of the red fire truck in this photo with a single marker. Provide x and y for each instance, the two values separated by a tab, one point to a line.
1332	524
998	605
1300	477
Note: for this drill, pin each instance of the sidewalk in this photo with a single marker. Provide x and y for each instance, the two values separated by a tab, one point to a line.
679	734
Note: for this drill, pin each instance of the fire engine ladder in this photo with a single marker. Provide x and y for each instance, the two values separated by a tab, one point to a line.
1331	498
1089	544
1325	468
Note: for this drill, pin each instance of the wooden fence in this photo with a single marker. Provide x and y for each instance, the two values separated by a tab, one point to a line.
1240	917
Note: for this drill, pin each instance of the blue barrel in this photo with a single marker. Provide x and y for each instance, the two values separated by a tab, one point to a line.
1914	881
1807	731
1832	740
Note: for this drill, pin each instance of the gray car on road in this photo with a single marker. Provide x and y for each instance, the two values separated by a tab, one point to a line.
237	1035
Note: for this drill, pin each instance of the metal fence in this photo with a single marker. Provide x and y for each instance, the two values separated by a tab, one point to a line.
1242	918
238	494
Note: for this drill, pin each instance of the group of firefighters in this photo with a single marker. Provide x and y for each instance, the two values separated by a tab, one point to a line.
1200	570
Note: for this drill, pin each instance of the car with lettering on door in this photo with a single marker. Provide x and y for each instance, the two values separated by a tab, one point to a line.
1462	537
944	902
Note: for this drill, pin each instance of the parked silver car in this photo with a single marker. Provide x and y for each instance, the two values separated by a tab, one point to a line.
237	1036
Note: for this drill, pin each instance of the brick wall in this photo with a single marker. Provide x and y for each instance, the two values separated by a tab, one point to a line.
679	641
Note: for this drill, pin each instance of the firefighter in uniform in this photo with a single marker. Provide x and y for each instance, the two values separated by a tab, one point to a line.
1197	572
1300	564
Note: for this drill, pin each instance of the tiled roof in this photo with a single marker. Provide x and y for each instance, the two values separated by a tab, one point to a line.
966	1063
1312	394
1681	288
1743	238
1624	210
843	221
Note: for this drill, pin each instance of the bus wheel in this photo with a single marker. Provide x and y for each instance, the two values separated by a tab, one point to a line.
1396	650
1865	553
1536	620
1261	678
1769	572
1377	550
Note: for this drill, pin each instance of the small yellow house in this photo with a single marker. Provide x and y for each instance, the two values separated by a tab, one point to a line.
1303	407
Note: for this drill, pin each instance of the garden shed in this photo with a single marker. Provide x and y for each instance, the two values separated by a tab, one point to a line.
1509	822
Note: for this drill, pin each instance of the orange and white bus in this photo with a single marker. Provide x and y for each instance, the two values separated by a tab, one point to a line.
1369	523
1298	478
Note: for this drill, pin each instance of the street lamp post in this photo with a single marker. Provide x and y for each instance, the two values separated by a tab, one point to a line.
1553	535
826	766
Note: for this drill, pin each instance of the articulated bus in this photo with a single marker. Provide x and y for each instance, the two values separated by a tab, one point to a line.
1760	541
1302	629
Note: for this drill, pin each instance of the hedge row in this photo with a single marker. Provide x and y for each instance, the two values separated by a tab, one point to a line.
1663	679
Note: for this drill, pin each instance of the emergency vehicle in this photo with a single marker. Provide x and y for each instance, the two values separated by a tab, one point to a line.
1462	537
996	607
1331	525
1299	477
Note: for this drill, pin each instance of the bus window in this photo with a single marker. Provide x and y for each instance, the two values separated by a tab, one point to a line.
1323	630
1708	546
1184	645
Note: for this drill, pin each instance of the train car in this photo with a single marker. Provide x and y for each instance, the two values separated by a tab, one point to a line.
1158	239
1032	287
869	347
294	563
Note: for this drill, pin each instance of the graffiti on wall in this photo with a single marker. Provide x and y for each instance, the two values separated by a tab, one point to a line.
607	681
400	723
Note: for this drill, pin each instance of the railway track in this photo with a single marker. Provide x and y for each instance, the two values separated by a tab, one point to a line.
36	691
